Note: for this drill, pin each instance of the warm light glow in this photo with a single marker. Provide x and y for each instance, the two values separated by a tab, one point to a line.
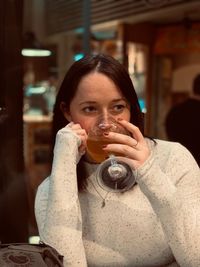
27	52
34	240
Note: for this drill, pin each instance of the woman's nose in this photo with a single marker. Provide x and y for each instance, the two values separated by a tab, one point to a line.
105	121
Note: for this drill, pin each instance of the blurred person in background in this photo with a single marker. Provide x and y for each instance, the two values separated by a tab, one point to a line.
183	122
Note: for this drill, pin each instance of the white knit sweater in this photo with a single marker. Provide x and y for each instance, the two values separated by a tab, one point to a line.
156	223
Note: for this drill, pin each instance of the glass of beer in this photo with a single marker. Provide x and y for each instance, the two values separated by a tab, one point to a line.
96	139
112	174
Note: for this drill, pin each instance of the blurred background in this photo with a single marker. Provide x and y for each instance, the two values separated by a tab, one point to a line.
158	41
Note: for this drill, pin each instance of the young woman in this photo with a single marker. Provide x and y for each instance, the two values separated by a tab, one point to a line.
154	223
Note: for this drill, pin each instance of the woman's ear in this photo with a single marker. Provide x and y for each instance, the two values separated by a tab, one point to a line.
65	111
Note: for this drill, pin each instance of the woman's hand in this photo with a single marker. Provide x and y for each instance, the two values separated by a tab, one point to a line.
81	133
134	148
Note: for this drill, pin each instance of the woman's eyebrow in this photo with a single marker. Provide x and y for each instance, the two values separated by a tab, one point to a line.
94	102
118	99
87	102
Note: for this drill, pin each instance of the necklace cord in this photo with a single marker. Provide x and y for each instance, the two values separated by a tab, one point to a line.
103	198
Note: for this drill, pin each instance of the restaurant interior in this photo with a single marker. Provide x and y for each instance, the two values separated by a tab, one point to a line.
157	41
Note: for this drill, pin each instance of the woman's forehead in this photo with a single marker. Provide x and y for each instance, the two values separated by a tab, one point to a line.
97	84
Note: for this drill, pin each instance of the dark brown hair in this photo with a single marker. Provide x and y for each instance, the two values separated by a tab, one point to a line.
111	68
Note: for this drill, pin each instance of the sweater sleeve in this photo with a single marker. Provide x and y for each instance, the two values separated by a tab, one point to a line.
174	193
57	205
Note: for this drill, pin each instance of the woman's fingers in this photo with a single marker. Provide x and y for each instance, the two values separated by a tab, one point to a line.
121	139
121	149
81	133
135	156
134	148
134	130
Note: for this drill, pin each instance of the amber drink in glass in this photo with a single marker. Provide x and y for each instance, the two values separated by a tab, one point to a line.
96	139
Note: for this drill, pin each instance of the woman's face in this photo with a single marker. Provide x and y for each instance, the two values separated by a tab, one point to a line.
96	96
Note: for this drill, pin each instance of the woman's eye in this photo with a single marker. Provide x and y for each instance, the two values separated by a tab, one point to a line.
89	109
119	108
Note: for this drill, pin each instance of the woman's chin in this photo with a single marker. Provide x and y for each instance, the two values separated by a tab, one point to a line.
90	159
